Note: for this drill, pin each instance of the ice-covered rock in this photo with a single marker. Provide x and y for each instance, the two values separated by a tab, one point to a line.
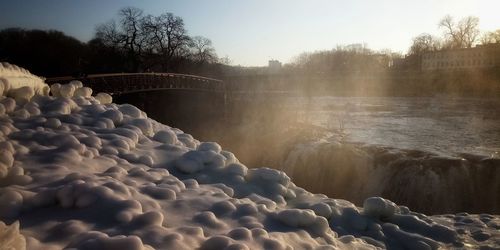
83	91
67	90
22	94
11	238
13	77
166	136
378	207
104	98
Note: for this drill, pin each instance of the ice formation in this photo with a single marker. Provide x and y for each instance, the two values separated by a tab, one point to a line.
80	172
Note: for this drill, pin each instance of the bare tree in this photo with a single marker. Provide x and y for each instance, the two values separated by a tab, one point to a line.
167	36
109	34
225	60
461	34
127	35
491	37
351	59
131	21
424	43
153	42
203	51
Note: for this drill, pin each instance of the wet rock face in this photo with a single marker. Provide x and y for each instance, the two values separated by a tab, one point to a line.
80	172
424	181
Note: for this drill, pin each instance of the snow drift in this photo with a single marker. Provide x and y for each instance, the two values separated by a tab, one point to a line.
80	172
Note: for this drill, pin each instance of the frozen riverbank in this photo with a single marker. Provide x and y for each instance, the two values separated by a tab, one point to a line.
81	172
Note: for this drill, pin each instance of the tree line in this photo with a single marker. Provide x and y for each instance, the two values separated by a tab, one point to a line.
352	59
456	34
132	42
138	42
357	59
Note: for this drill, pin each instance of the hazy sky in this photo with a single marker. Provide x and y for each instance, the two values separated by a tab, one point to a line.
252	32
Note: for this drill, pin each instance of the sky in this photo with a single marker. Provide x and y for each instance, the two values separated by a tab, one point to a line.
254	31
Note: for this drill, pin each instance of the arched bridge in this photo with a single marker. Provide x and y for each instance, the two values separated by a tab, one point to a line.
195	101
128	83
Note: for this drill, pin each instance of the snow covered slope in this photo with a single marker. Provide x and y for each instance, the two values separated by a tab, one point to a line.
80	172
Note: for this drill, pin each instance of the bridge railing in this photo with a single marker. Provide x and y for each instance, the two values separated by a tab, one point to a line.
118	83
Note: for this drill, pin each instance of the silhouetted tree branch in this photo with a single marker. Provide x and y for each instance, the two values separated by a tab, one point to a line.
424	43
461	34
491	37
203	51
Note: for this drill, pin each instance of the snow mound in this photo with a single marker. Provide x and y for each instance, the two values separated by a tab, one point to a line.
81	172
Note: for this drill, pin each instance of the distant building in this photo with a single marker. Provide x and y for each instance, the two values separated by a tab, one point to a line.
481	56
274	65
356	47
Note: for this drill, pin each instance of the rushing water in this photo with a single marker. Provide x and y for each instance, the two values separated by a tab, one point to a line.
440	125
436	155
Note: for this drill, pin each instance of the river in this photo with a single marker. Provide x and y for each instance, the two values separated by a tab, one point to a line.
446	126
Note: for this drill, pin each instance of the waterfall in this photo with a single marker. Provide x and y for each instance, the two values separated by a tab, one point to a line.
425	181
